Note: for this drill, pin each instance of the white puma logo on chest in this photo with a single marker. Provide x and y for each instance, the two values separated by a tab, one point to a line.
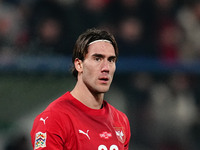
82	132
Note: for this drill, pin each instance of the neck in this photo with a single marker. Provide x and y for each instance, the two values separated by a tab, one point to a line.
90	99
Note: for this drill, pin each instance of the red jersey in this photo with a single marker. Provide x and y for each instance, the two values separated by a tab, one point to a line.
67	124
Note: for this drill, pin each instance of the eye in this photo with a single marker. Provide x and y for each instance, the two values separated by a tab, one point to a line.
97	58
112	59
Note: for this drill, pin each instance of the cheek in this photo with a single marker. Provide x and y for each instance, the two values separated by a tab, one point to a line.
113	70
88	71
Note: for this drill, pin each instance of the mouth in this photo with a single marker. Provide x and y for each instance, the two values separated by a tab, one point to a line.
104	79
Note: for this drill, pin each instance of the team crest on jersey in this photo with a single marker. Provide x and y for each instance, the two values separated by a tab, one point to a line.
40	140
120	134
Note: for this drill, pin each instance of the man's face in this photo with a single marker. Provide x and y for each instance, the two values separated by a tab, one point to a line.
99	67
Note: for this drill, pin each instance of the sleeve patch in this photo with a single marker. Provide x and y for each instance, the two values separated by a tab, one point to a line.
40	140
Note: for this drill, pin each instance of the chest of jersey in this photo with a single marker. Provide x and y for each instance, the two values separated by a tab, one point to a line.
97	132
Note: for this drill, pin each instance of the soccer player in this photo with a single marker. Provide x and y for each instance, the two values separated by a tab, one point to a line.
81	119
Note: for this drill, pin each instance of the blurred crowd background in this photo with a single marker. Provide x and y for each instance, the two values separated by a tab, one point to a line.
157	83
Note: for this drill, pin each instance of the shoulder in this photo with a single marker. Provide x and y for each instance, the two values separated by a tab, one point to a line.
52	116
115	111
59	105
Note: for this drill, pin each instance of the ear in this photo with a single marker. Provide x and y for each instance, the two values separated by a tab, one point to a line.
78	65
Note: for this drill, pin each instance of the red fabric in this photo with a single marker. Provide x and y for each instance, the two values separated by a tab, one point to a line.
70	125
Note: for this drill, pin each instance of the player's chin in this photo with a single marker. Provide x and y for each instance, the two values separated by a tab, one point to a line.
104	89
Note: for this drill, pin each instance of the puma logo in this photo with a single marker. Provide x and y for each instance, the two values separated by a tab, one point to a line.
82	132
41	119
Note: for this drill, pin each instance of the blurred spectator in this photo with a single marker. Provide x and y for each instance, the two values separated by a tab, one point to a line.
154	13
173	109
164	10
48	29
130	38
87	14
169	41
189	19
11	25
48	39
119	9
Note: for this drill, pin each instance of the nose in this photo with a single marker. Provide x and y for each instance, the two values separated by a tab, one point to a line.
105	66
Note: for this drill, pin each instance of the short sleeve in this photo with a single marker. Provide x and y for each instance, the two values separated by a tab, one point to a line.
48	132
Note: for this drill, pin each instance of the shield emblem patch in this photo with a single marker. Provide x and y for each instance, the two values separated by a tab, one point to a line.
121	136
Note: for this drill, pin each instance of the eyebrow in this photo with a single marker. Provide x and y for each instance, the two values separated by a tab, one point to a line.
98	55
102	56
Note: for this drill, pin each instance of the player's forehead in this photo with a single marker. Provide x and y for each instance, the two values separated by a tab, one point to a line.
102	47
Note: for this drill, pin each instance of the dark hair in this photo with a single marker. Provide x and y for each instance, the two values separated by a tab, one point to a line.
83	41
